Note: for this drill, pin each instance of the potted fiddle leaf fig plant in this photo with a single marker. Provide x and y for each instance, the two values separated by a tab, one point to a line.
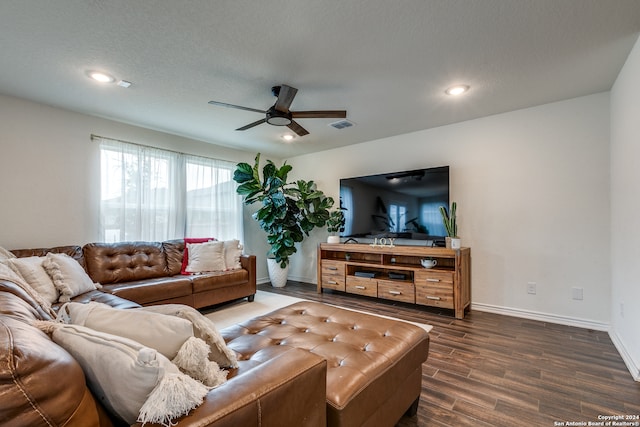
288	211
451	226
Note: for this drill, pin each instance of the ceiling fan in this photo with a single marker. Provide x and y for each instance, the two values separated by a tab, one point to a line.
280	115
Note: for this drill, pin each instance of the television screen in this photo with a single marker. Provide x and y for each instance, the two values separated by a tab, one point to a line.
404	205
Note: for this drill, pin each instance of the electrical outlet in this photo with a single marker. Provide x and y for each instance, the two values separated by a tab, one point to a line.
531	288
576	293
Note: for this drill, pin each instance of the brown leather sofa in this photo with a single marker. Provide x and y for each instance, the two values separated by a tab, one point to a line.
42	385
149	273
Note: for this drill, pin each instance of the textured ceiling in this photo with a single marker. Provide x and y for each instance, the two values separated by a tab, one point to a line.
386	62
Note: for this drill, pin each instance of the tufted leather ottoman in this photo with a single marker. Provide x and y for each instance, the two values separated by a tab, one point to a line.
374	365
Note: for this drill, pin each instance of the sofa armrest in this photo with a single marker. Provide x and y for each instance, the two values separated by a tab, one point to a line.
288	390
248	262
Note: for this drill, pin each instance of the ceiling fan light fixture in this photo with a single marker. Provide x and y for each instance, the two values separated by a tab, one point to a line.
278	118
279	121
101	77
457	90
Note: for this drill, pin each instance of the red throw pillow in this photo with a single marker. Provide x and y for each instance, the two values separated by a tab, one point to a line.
185	258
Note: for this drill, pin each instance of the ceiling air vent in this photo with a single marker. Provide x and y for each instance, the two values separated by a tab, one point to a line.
342	124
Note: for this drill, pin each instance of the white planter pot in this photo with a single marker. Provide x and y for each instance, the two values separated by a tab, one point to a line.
333	239
455	243
277	274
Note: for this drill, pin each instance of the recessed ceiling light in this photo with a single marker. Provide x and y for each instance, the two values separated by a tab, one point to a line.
101	77
456	90
287	137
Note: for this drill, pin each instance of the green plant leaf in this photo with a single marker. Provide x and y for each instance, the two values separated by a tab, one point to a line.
269	171
249	188
283	172
243	173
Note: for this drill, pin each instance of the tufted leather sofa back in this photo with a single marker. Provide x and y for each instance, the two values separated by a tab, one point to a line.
125	261
174	250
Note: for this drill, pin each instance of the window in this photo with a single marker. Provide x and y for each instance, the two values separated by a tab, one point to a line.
151	194
212	205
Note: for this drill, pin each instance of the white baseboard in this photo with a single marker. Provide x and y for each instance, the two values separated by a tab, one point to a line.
626	357
543	317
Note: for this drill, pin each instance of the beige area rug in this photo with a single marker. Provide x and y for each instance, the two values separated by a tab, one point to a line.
266	302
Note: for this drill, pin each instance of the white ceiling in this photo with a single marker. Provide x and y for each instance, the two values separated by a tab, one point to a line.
386	62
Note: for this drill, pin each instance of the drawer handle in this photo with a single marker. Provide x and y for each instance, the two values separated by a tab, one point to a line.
332	268
331	282
360	287
433	280
433	298
395	292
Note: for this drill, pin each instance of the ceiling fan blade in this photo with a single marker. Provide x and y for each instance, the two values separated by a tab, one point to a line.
297	128
223	104
285	98
250	125
334	114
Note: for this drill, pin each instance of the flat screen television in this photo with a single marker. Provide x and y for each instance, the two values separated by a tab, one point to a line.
402	205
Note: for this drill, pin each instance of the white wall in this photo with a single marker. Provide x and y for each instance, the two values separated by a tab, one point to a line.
532	188
50	173
625	209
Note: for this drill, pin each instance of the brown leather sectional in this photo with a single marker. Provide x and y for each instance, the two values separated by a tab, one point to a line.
42	385
308	364
149	273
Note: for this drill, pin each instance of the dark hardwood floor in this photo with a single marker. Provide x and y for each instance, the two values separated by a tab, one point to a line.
495	370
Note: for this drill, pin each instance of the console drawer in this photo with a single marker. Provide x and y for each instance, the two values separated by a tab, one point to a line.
362	286
435	294
333	275
397	291
434	276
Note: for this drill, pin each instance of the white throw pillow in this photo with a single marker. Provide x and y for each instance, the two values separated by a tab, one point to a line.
9	273
68	276
163	333
135	382
203	328
172	336
31	269
232	253
205	257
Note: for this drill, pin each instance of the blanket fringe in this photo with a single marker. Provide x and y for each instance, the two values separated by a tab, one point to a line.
193	359
174	396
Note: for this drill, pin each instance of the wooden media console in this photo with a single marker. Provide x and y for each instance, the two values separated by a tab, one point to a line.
395	273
